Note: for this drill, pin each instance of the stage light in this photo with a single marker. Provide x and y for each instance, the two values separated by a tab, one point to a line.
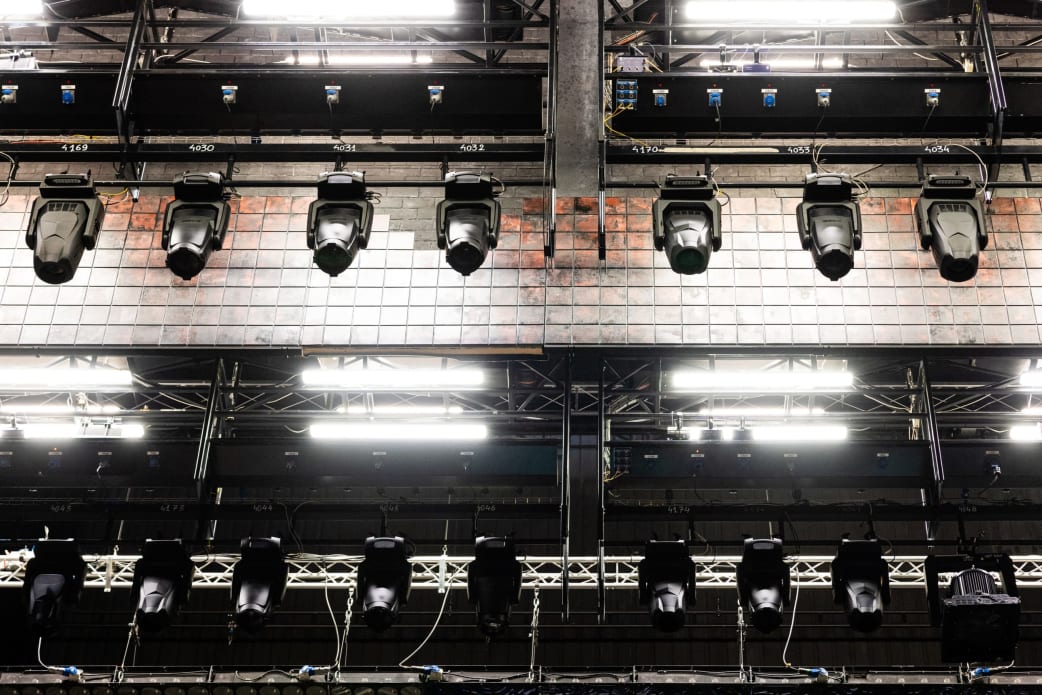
686	223
395	379
1032	378
1026	433
162	581
951	224
722	381
761	412
340	221
19	9
775	63
800	433
72	430
799	11
391	431
350	9
195	223
763	582
53	578
397	410
385	577
665	575
58	409
861	583
65	220
65	379
494	582
829	223
258	582
979	623
468	220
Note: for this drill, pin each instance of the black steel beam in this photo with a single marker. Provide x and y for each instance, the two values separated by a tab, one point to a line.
626	513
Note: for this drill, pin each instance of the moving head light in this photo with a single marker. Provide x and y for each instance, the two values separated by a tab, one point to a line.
829	223
385	577
339	221
258	582
951	223
53	578
468	220
687	223
162	581
664	576
763	582
65	220
861	583
195	223
494	582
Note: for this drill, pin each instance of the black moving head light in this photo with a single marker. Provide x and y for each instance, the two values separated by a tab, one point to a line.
65	220
162	581
258	582
494	582
666	574
861	583
687	223
195	223
385	577
951	224
468	220
53	578
339	221
763	582
829	223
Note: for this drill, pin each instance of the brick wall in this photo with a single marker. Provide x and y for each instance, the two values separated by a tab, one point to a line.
760	289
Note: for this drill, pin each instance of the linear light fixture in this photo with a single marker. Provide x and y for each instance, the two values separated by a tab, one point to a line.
57	409
395	379
392	431
762	381
1032	377
809	433
791	11
17	9
777	63
73	430
363	59
64	379
398	410
698	433
349	9
753	411
1026	433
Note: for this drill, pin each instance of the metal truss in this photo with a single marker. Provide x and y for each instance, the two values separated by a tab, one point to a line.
439	572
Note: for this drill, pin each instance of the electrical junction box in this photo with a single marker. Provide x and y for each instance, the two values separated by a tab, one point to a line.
631	64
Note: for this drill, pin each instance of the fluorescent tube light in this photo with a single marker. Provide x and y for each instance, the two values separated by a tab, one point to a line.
1026	433
1031	377
395	379
777	63
393	410
363	59
810	433
349	9
64	379
698	433
738	412
790	11
397	431
57	409
17	9
762	381
74	430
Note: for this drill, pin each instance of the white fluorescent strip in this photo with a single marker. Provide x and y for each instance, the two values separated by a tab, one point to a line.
751	380
777	63
20	8
363	59
401	410
799	11
1026	433
761	412
64	379
395	379
396	431
57	409
810	433
697	433
349	9
72	430
1031	378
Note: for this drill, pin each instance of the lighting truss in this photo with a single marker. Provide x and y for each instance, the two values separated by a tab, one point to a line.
437	572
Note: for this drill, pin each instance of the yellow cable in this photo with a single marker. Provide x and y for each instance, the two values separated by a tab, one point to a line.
621	134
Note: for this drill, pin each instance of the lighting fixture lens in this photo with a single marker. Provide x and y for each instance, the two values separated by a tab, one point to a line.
349	9
733	382
64	379
1031	378
1026	433
802	11
397	431
819	433
395	379
14	9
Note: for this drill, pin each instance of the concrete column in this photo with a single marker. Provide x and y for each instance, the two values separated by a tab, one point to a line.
578	97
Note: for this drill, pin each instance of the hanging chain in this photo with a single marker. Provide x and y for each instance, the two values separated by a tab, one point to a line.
349	612
534	634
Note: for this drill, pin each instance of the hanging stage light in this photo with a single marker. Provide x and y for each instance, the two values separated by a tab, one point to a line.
468	220
763	582
53	577
340	221
978	622
687	223
861	583
829	223
494	582
162	581
665	575
951	223
195	223
385	577
258	582
65	220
